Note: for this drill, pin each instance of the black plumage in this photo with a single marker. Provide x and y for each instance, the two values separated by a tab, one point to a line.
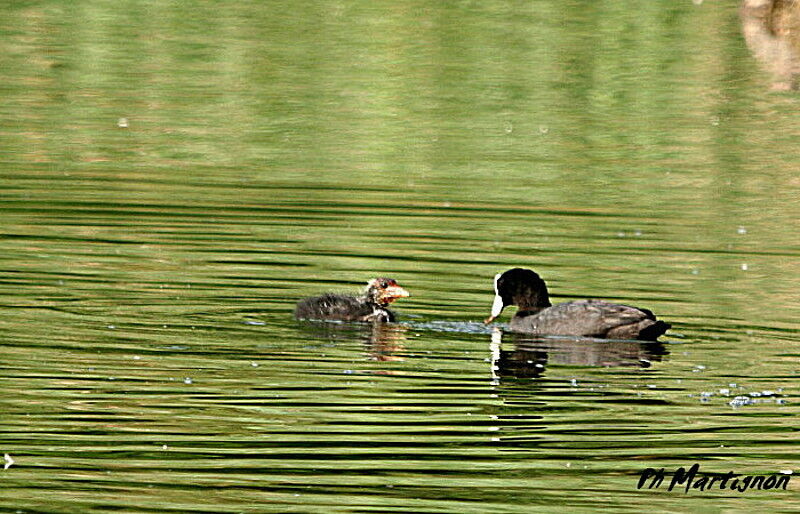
587	318
369	306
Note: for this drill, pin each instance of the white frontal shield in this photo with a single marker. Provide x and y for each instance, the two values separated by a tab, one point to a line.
497	306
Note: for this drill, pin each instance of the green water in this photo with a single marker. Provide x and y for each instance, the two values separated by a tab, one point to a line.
175	175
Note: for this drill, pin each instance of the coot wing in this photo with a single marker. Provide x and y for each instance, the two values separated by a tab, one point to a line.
588	318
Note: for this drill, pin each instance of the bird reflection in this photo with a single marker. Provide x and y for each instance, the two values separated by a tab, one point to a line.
382	341
770	29
386	341
530	356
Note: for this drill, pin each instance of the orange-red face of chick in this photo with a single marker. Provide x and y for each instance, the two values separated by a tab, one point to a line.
385	290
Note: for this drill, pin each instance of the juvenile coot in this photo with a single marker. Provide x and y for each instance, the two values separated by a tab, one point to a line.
587	318
370	306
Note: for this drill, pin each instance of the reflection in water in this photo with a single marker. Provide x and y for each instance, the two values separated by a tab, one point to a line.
439	145
530	355
382	341
768	29
386	341
528	359
532	414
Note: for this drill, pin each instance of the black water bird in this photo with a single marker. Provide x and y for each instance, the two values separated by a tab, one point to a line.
369	306
583	318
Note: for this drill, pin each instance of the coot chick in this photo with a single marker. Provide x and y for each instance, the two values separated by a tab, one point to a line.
585	318
370	306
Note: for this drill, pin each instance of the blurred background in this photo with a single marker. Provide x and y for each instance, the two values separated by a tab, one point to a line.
176	175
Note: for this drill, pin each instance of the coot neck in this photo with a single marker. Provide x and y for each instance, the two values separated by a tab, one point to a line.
530	311
533	303
370	300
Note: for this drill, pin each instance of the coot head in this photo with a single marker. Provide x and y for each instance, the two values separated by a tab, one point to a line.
384	291
521	287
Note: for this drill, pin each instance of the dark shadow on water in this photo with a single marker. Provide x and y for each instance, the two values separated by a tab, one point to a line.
530	356
382	341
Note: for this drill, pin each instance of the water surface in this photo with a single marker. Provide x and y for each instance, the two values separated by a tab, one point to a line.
175	177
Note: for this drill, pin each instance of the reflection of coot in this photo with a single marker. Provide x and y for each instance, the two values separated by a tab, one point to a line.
370	306
582	318
382	342
527	363
530	355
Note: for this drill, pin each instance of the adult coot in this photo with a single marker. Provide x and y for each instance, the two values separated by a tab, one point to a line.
370	306
587	318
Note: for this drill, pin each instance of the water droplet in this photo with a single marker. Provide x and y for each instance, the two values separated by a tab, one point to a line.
122	123
741	230
187	380
740	401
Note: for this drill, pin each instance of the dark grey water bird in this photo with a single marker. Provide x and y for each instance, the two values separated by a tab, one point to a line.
369	306
584	318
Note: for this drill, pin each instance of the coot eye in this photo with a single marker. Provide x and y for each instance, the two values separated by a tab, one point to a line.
384	284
